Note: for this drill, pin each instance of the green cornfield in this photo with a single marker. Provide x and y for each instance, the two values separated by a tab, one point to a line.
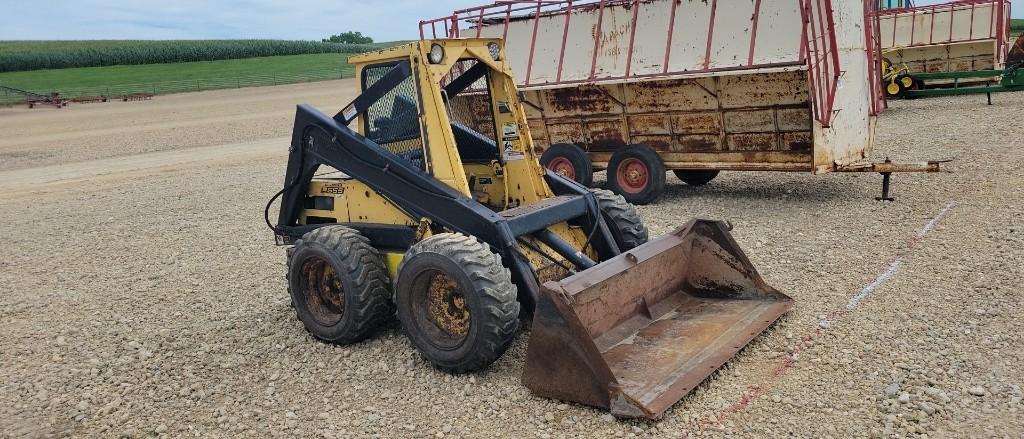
17	56
1017	26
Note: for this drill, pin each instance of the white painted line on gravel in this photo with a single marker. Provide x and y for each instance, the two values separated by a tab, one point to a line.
787	362
894	267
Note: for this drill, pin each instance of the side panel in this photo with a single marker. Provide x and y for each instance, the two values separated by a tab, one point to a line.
638	37
749	121
958	57
955	23
946	38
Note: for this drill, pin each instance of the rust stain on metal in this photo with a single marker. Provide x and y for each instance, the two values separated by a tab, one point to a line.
579	100
752	142
800	142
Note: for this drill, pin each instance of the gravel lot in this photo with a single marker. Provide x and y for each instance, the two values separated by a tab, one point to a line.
150	300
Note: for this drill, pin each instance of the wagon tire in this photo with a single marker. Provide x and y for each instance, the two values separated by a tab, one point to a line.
695	178
456	302
637	173
570	161
339	285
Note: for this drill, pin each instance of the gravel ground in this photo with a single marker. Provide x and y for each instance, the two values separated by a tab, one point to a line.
154	304
92	131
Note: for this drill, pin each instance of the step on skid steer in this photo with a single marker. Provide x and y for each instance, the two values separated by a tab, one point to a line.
436	206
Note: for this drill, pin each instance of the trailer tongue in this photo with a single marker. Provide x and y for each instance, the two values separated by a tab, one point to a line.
638	332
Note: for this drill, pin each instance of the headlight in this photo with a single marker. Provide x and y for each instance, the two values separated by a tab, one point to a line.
495	50
436	54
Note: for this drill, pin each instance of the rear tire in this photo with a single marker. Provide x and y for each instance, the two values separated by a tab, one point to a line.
637	173
570	161
456	302
627	228
339	285
695	178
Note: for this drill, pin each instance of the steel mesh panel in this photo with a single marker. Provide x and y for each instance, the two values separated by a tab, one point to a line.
471	107
393	121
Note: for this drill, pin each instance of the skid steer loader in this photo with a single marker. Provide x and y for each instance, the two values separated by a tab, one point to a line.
436	206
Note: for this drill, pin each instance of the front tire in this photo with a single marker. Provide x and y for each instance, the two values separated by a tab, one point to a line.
627	228
339	285
456	302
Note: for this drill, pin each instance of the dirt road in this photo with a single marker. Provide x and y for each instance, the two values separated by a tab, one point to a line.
143	295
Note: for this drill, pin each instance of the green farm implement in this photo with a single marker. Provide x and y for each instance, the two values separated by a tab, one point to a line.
1010	79
898	81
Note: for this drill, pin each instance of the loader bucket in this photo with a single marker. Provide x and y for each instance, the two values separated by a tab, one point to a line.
638	332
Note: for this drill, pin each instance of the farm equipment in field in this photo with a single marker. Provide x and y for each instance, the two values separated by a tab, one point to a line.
34	99
465	234
896	79
639	88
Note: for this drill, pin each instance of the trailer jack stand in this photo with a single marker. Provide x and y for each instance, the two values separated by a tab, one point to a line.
886	176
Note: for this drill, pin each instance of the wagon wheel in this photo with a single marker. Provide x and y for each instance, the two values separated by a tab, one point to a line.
569	161
905	81
894	89
637	173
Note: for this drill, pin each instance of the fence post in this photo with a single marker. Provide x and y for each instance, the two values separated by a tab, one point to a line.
197	85
153	86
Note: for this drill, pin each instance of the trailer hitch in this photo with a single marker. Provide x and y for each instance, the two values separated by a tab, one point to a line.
887	168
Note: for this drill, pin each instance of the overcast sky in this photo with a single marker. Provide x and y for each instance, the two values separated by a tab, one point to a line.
384	20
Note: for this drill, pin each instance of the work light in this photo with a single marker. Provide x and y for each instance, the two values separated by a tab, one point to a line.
436	54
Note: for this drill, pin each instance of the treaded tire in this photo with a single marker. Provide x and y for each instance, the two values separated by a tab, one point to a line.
487	292
645	162
566	155
358	268
695	178
627	228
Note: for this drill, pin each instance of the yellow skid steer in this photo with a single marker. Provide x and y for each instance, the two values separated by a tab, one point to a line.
434	206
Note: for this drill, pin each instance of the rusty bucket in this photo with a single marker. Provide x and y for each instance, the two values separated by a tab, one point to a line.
638	332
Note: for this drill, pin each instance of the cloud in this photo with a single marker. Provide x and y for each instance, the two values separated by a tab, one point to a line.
197	19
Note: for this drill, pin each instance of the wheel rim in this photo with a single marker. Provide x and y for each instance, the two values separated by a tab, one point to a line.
324	293
562	166
441	311
893	89
632	175
907	82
